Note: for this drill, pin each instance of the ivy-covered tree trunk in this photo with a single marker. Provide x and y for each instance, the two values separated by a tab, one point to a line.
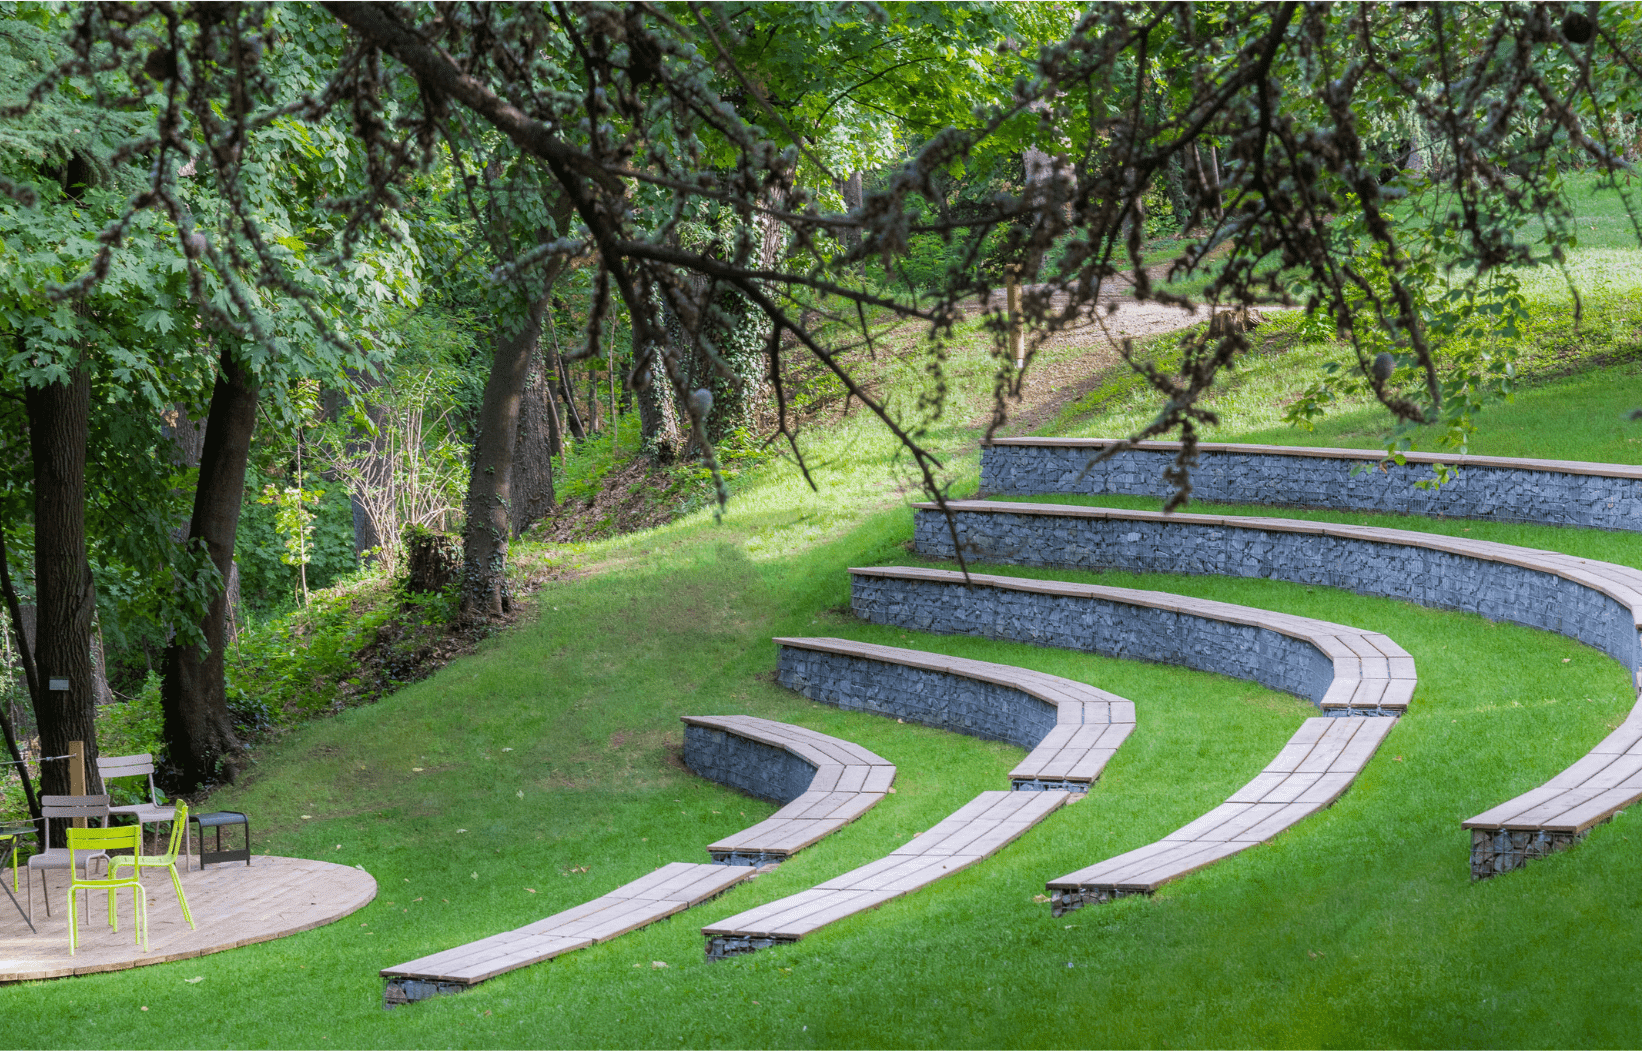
488	507
59	417
533	448
661	434
200	741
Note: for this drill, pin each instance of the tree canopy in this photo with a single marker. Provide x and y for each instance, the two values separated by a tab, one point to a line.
252	204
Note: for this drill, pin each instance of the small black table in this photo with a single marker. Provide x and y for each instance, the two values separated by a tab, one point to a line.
216	821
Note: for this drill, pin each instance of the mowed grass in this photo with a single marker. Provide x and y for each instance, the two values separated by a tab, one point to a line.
545	771
1360	926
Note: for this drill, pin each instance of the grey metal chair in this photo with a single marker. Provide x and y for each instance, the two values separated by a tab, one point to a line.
64	808
145	813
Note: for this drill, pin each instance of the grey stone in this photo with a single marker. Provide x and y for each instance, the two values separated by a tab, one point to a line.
1421	575
930	698
1482	491
1095	625
757	769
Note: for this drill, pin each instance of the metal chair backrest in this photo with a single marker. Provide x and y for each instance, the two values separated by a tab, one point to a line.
67	808
178	824
101	840
129	766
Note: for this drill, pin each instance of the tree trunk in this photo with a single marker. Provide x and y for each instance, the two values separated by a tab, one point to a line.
59	420
25	651
188	445
561	382
199	733
1012	301
852	201
533	449
366	449
490	487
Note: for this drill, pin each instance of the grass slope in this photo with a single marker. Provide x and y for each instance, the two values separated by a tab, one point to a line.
544	771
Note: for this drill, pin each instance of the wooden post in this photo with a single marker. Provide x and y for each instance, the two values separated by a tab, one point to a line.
1012	290
77	774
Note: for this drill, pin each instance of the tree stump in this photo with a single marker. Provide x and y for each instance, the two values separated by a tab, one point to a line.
433	560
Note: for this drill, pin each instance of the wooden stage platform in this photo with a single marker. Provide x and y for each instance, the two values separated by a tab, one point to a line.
233	905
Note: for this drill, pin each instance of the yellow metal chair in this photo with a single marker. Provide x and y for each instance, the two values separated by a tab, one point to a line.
94	842
168	861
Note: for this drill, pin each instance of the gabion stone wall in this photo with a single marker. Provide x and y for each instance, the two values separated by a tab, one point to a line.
1096	625
758	769
930	698
1302	552
1600	496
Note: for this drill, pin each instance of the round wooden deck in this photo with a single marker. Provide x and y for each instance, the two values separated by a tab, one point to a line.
233	904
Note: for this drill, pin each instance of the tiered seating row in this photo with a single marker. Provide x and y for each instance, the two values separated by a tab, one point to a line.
982	827
1561	812
1319	762
1343	670
1598	603
1555	492
846	782
1072	729
839	782
669	889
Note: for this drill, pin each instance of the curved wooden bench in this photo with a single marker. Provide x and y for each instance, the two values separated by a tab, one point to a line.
1319	762
1597	603
1343	670
846	782
1071	729
669	889
1505	489
974	832
1561	812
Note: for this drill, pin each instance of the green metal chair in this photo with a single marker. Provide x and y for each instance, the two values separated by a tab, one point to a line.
167	861
87	843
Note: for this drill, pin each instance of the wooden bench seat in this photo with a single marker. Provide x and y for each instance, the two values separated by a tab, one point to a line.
669	889
1561	812
849	780
1598	603
1069	753
1319	762
974	832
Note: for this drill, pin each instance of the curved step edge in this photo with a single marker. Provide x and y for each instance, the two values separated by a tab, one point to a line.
1070	729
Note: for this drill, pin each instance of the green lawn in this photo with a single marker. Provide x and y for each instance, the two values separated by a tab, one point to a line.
557	748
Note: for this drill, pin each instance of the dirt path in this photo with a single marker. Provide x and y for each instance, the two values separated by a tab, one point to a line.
1051	384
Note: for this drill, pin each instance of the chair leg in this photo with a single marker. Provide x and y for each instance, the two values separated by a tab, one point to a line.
176	884
73	920
140	911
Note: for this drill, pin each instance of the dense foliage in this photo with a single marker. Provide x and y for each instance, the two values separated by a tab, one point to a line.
437	244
